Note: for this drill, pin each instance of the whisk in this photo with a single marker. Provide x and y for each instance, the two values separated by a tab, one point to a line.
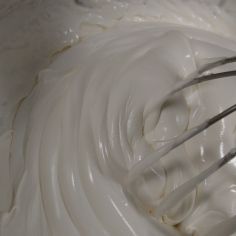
222	229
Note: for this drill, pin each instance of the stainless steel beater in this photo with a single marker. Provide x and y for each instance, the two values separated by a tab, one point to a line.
222	229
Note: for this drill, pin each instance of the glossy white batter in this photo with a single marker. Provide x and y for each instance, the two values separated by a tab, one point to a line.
92	116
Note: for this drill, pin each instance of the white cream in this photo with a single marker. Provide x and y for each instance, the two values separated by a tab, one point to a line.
85	125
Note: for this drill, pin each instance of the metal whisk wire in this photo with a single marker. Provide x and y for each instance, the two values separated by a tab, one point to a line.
175	196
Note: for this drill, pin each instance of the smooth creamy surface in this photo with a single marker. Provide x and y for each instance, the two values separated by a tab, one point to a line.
93	114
